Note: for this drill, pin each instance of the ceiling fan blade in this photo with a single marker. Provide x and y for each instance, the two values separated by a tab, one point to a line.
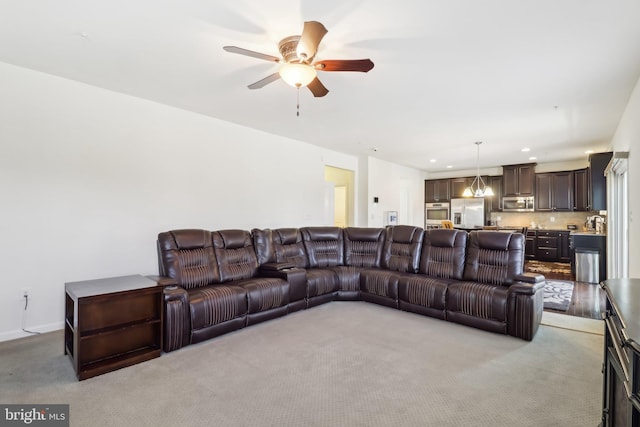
312	34
262	83
362	65
317	88
241	51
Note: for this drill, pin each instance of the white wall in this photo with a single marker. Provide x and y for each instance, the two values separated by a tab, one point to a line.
386	181
88	178
627	138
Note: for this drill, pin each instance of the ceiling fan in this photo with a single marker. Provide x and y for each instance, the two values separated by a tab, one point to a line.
298	66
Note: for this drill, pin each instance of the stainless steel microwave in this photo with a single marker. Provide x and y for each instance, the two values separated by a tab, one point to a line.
518	204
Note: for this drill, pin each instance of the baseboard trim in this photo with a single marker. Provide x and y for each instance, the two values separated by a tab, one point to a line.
19	333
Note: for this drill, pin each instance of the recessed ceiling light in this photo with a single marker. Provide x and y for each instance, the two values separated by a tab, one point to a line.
433	160
449	166
526	149
588	152
532	158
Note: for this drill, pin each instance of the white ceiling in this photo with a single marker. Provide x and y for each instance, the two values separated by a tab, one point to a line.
551	75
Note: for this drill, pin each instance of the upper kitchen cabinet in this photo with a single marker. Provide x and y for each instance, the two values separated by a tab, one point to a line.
554	191
458	186
436	190
581	190
518	180
494	203
597	164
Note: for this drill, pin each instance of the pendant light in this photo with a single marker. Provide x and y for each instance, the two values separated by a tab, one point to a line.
481	189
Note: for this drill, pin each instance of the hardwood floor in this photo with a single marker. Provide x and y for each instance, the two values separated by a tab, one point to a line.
588	299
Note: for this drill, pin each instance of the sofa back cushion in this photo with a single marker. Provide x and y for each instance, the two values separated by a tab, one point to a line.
443	253
235	255
324	246
363	246
402	248
289	247
494	257
263	245
188	257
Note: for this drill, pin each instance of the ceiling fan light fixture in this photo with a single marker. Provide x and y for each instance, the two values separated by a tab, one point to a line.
297	75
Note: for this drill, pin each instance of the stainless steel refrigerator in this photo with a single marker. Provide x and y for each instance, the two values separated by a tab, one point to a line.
467	213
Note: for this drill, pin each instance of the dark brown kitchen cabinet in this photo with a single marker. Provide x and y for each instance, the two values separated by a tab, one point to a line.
437	190
530	245
458	185
547	245
564	250
581	190
518	180
494	203
598	182
554	191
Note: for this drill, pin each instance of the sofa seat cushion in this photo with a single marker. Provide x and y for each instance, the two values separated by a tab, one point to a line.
479	300
321	281
265	293
382	283
214	304
424	291
348	277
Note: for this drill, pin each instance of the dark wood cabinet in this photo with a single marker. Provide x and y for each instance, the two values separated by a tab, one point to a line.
112	323
437	190
543	192
458	185
581	190
598	183
554	191
518	180
621	367
530	245
564	247
547	245
551	245
494	203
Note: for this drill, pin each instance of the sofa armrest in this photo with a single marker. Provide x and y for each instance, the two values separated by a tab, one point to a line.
526	288
525	307
276	266
177	320
297	278
529	278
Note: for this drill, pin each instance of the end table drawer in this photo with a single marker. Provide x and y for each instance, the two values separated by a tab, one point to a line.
119	342
106	311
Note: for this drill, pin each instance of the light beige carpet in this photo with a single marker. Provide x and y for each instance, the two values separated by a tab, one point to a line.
339	364
574	323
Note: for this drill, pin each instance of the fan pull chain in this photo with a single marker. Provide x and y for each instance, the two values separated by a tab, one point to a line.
298	102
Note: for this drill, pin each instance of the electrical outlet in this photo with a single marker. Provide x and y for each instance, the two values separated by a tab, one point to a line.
552	219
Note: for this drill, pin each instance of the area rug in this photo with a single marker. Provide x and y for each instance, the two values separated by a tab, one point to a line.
557	294
543	267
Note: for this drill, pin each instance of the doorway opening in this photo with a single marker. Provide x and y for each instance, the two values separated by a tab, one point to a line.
341	195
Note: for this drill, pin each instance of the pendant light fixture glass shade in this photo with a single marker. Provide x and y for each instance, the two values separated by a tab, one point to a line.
478	188
297	75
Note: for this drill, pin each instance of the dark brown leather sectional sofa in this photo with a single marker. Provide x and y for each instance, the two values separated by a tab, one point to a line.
220	281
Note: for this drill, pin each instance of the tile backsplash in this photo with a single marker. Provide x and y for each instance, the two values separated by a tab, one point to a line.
544	220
